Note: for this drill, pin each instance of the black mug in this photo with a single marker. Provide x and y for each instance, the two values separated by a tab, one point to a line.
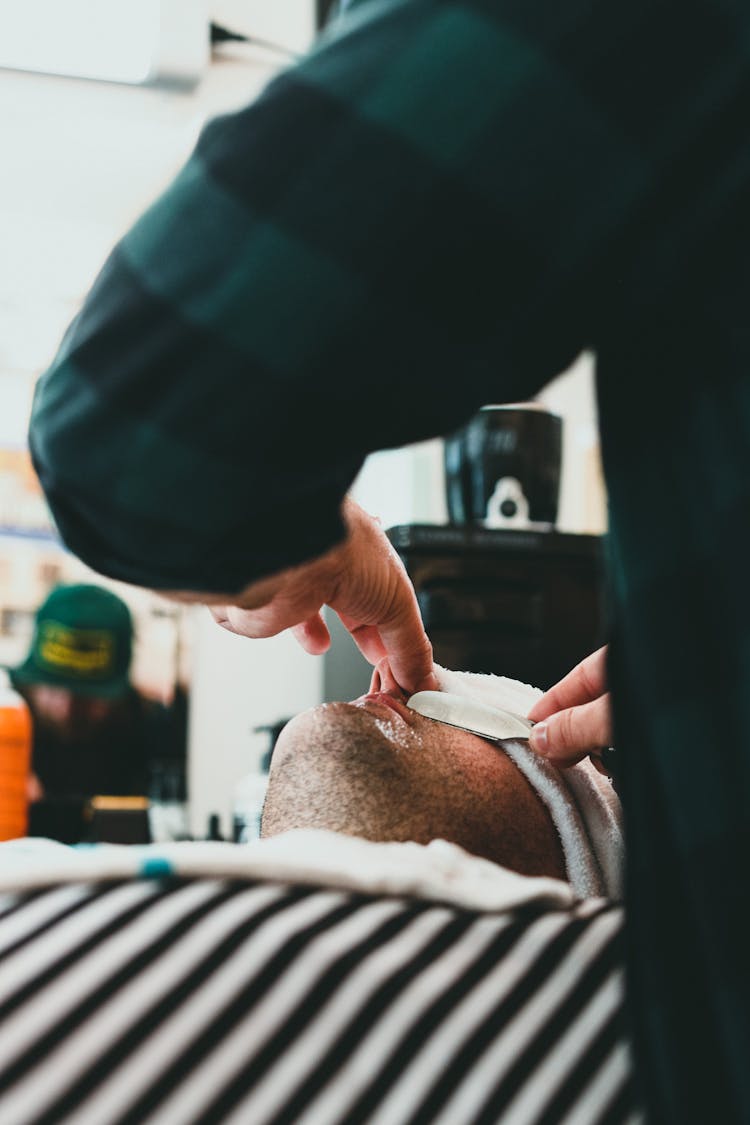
502	469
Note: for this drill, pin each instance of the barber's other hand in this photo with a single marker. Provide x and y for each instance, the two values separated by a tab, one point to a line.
574	718
365	582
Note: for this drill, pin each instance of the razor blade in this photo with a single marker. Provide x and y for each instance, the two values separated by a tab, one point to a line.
488	722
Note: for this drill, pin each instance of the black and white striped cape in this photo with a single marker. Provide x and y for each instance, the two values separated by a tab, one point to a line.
234	1000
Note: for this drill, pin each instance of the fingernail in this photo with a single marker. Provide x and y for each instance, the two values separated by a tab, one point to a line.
538	739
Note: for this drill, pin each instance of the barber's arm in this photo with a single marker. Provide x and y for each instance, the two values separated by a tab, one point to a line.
348	264
425	215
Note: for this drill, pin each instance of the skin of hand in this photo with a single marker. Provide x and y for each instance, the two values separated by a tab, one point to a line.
365	582
574	718
34	789
382	679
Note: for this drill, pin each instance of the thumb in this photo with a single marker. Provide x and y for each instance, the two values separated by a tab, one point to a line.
567	736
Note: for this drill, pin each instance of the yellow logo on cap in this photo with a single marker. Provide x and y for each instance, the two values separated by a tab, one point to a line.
85	652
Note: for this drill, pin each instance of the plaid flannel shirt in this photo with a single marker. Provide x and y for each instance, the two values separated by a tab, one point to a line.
439	207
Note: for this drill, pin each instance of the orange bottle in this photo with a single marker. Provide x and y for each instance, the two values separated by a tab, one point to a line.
15	761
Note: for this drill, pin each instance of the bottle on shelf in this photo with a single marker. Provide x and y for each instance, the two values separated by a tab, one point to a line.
15	761
168	816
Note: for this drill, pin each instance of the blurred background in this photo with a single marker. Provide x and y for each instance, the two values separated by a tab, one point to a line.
85	151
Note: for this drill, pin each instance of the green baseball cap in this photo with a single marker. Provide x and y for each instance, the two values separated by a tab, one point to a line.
83	641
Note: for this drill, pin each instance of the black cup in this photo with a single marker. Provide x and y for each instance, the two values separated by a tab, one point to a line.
502	469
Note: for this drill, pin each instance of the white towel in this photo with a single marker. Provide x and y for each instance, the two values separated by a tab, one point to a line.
435	872
582	802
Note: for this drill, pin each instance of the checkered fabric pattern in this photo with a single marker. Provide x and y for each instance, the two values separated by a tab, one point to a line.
440	207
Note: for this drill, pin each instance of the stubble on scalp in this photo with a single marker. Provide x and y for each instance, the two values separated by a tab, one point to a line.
335	769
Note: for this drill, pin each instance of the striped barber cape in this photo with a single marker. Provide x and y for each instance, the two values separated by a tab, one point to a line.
189	992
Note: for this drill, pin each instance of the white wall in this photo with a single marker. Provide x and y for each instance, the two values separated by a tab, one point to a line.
583	501
82	159
404	485
239	684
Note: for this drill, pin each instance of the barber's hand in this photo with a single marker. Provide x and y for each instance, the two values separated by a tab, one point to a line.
365	582
574	717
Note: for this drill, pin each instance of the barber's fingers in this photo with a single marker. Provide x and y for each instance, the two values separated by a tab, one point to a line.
402	632
313	635
409	652
567	736
383	679
375	599
415	652
366	638
232	618
585	683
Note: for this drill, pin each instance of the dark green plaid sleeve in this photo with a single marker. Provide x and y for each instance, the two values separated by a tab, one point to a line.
401	228
434	210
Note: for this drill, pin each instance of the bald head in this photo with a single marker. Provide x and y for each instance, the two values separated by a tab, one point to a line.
374	769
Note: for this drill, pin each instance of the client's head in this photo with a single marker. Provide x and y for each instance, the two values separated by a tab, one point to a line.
375	769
